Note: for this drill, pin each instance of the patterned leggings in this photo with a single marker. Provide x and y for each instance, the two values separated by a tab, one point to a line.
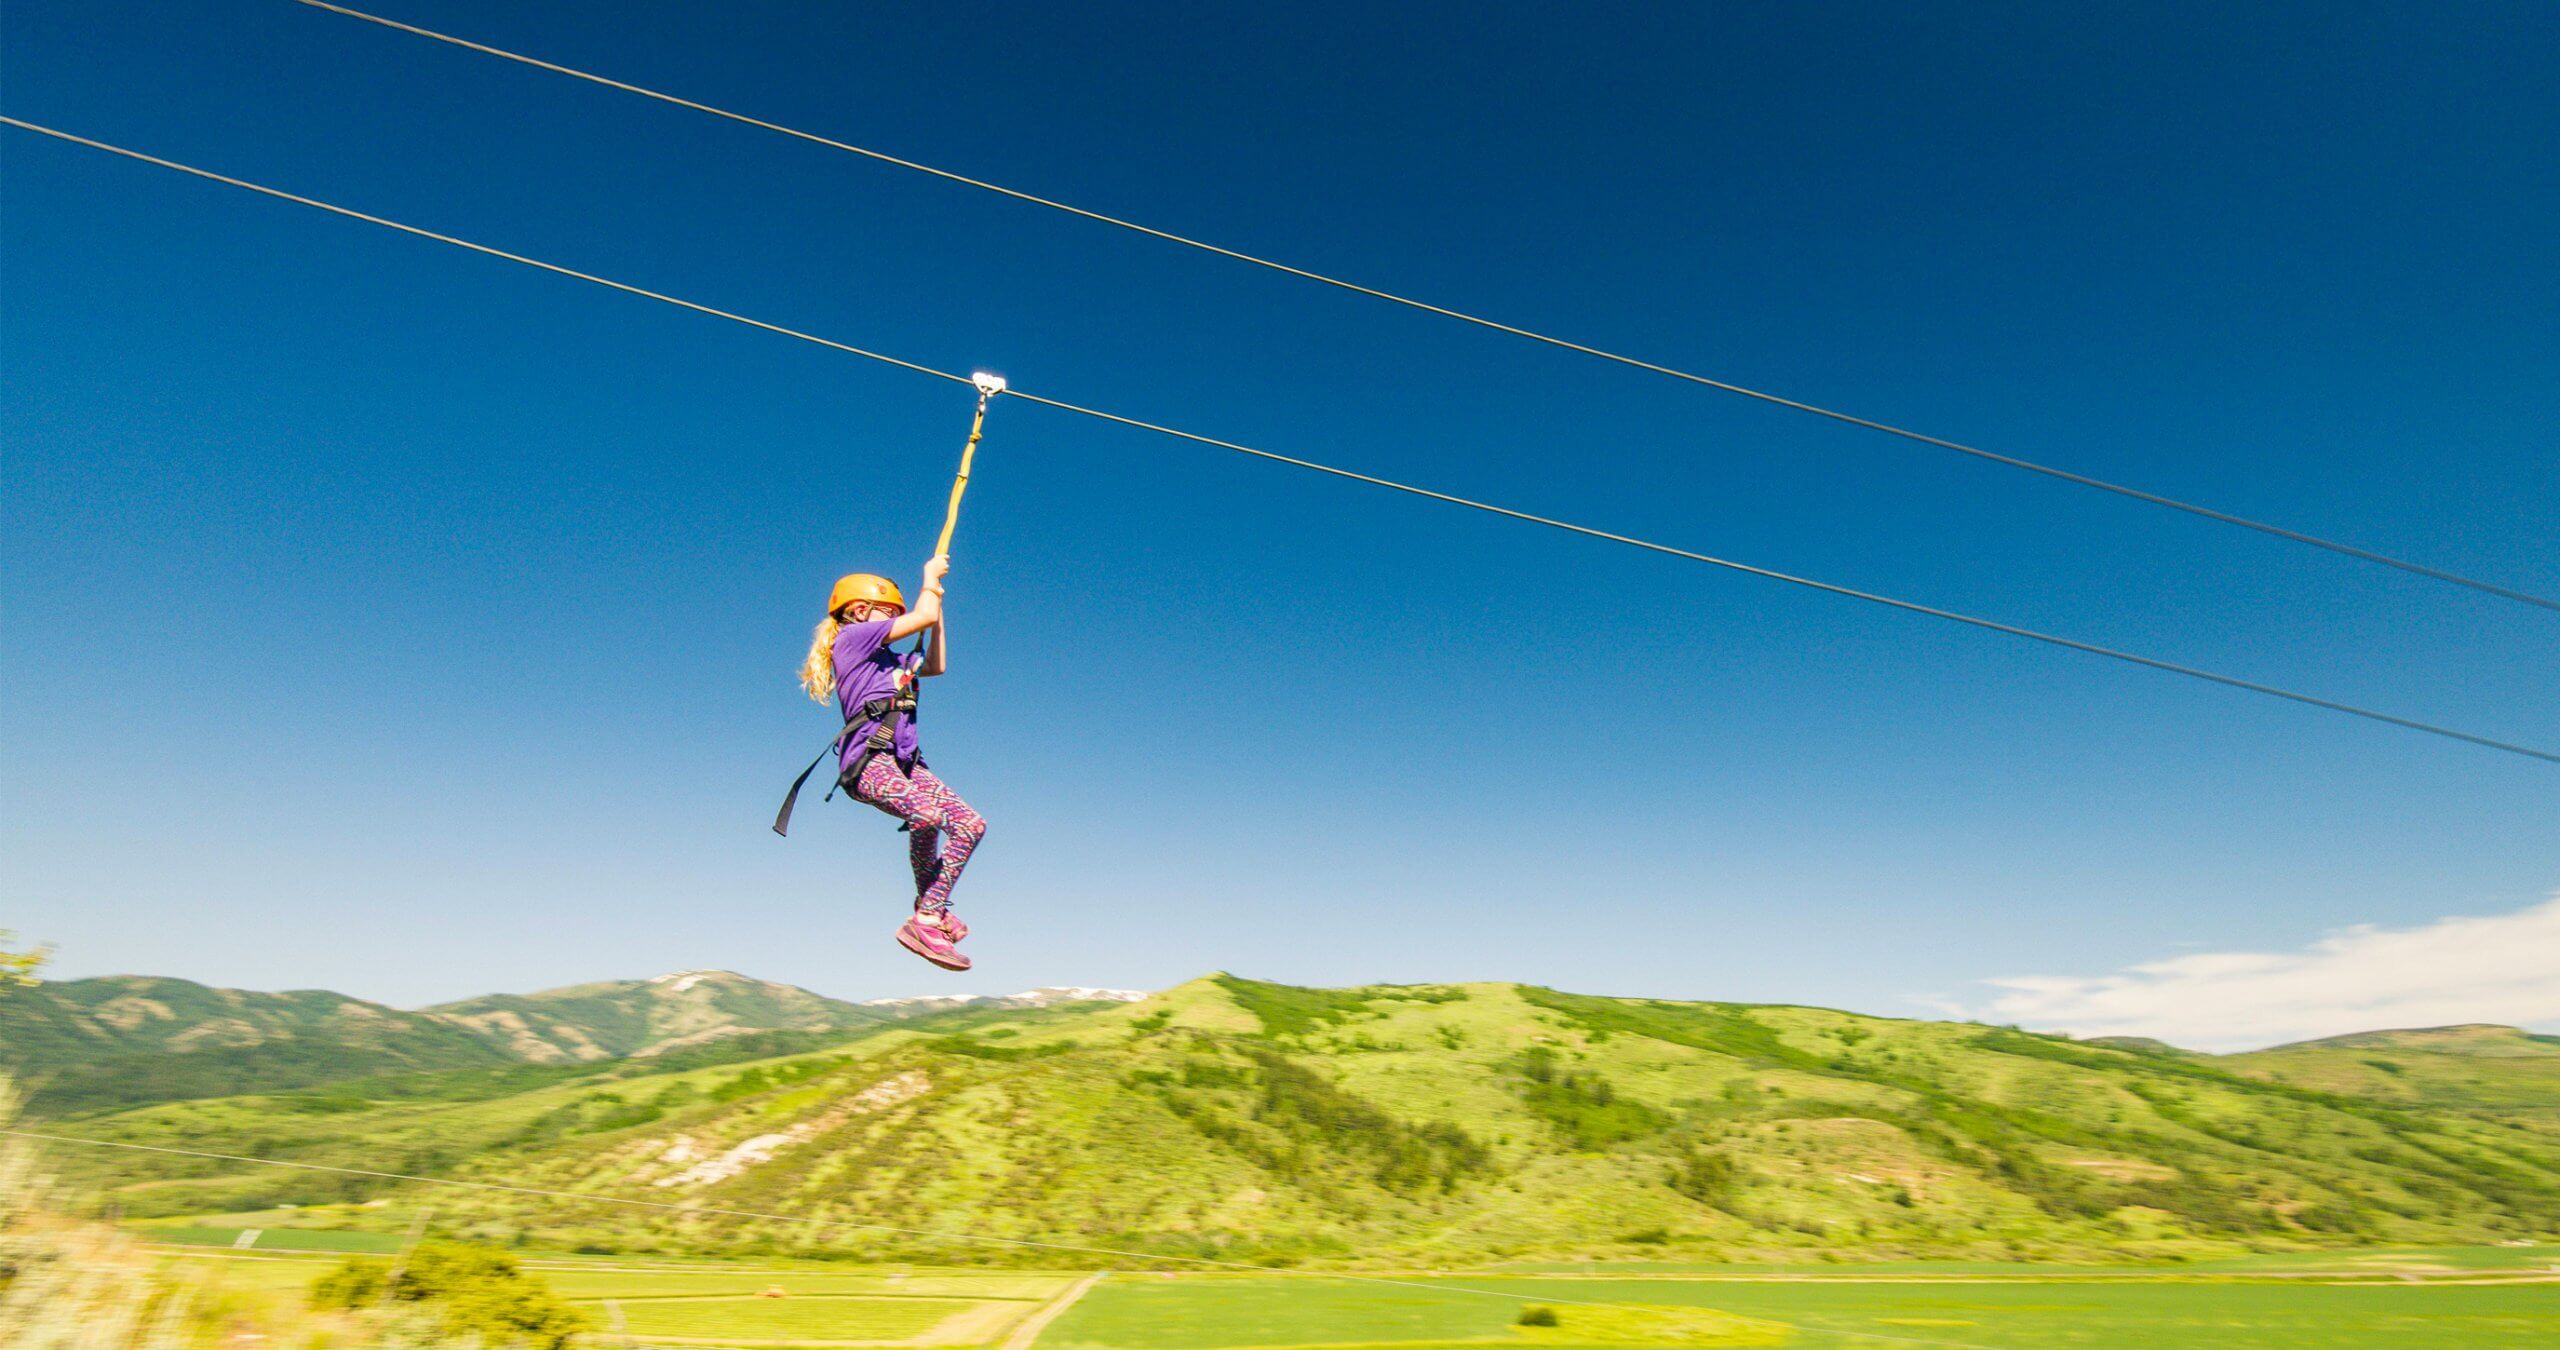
941	829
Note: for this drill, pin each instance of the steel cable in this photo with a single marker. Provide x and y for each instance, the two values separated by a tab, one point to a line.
1638	363
1871	597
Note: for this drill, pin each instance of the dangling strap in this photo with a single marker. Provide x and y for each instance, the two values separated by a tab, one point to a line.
835	746
881	714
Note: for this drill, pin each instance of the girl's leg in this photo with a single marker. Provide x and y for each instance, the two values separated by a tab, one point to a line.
961	829
884	786
930	811
924	855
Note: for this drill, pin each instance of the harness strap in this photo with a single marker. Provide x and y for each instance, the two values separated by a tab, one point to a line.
835	745
882	714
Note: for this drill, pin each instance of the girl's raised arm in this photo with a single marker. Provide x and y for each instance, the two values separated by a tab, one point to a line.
934	652
928	610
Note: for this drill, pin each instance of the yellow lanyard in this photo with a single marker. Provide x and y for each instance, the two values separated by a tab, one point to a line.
988	387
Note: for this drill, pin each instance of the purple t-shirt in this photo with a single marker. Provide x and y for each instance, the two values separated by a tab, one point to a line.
867	669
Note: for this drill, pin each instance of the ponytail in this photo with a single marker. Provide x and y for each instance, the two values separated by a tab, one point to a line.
818	673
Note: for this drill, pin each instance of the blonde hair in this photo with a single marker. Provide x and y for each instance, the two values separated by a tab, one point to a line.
818	673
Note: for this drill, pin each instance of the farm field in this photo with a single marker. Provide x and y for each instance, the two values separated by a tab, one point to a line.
2006	1307
801	1318
1213	1313
2381	1262
714	1305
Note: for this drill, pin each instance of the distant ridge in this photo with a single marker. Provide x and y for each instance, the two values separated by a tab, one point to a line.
616	1018
2140	1045
2466	1038
1043	997
123	1040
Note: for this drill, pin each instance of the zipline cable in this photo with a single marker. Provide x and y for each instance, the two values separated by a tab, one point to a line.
1850	419
1912	606
945	1235
1871	597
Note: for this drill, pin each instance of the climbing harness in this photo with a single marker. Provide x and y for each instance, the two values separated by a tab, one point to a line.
882	714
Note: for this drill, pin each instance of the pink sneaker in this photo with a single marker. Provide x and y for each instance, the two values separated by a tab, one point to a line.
929	935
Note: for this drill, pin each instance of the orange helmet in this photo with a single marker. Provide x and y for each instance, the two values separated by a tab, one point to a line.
861	586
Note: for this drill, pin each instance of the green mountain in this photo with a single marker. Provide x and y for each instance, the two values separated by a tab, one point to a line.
78	1020
2478	1067
2476	1040
83	1045
2141	1045
123	1039
1420	1124
646	1017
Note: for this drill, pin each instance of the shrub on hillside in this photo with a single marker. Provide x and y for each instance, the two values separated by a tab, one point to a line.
1724	1029
1286	1010
1584	1107
1297	1121
469	1290
1708	1177
593	1113
766	1077
971	1047
1304	1106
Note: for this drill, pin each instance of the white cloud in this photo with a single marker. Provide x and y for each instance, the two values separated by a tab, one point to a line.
2504	968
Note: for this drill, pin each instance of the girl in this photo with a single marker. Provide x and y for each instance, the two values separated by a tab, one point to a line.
850	662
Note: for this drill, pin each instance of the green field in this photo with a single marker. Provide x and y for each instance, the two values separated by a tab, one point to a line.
826	1317
623	1284
731	1305
274	1239
2379	1262
1214	1313
2002	1307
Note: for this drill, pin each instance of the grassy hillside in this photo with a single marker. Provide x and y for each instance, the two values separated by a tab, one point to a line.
2492	1069
647	1017
85	1020
119	1040
1432	1124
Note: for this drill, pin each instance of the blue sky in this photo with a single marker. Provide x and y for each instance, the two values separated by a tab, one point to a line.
389	619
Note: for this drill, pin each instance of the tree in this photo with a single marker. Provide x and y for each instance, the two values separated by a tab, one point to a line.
469	1289
20	967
